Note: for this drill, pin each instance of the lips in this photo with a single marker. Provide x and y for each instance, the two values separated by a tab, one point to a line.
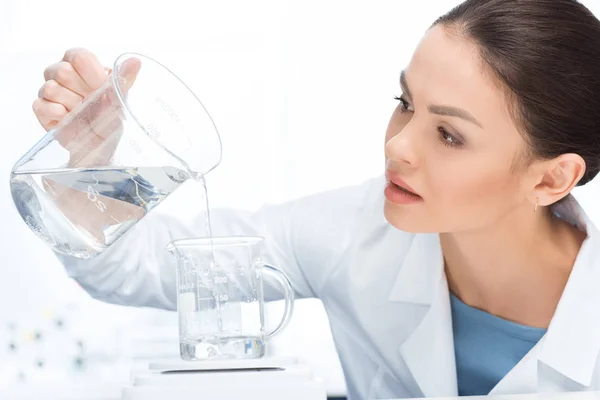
398	182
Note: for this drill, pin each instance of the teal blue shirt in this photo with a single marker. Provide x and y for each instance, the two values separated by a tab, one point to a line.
486	347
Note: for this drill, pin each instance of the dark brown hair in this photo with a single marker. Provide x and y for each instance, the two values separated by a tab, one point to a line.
547	54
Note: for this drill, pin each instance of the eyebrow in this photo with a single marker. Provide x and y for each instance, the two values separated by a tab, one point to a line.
441	110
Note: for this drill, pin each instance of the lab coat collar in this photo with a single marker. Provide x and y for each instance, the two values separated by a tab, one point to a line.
429	350
572	343
421	271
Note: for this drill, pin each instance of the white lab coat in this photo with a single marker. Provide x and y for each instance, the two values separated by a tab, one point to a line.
384	290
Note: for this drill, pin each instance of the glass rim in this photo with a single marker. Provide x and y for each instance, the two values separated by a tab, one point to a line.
215	242
121	97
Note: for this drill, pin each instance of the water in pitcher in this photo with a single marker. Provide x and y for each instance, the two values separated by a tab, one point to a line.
81	211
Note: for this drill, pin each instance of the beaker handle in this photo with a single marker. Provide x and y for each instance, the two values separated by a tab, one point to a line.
288	294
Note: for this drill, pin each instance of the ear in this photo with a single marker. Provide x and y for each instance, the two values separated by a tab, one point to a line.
556	178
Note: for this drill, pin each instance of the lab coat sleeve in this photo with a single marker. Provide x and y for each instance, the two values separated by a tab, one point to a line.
305	238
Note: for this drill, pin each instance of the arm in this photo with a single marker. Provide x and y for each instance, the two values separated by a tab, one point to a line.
304	238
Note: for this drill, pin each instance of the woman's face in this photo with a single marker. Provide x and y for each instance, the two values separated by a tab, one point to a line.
453	141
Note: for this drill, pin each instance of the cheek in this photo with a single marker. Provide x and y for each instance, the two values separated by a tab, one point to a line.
454	184
470	192
461	193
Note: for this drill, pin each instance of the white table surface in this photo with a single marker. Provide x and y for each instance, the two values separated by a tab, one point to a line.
109	390
76	391
537	396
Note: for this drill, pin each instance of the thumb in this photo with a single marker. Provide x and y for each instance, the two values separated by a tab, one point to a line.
106	115
127	73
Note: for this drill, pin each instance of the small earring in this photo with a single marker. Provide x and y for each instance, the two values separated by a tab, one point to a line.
537	199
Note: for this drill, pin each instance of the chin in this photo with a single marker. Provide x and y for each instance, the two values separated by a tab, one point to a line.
407	218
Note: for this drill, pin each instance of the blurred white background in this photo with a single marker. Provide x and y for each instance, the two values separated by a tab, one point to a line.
301	93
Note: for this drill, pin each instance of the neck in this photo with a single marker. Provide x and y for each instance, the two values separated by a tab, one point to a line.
515	269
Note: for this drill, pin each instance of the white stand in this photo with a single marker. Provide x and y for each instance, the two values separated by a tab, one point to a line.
269	378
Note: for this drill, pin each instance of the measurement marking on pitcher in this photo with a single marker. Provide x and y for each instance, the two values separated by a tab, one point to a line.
166	107
93	195
223	297
135	145
153	131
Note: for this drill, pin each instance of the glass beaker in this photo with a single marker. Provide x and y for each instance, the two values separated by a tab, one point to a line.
220	297
114	158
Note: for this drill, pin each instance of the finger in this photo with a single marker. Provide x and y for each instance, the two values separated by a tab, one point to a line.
87	66
48	113
129	71
65	75
56	93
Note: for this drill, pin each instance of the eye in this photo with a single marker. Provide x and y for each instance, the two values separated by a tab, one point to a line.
404	104
448	139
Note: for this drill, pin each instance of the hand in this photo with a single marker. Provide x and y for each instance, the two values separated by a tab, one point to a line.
93	131
68	82
82	106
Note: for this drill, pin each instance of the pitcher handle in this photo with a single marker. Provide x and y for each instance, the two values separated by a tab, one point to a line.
288	293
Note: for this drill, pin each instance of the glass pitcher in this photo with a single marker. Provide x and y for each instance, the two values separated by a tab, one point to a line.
114	158
220	297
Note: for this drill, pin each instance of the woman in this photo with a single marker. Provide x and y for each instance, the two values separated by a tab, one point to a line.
469	269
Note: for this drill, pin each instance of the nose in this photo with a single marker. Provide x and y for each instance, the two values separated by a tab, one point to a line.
401	147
